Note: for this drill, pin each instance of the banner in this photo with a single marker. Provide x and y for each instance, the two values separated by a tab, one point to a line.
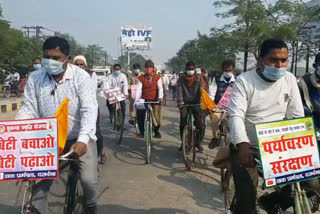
114	95
133	91
29	149
136	37
225	99
289	151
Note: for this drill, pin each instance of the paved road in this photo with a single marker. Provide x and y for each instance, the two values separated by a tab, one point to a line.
128	186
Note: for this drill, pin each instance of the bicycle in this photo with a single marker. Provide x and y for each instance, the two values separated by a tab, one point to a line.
74	200
118	121
189	138
306	201
150	122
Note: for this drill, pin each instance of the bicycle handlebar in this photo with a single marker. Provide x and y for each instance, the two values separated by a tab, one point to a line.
67	155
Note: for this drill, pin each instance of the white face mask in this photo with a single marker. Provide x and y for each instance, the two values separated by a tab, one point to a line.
190	72
53	67
136	71
36	66
227	75
273	73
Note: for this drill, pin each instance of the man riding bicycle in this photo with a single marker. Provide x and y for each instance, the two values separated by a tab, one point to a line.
117	79
45	90
268	94
217	88
151	90
134	81
189	93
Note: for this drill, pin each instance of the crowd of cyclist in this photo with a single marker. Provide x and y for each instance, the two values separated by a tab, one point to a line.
269	93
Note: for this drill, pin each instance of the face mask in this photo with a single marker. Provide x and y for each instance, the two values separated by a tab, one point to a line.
190	72
227	74
136	71
273	73
53	67
318	71
116	73
37	66
149	71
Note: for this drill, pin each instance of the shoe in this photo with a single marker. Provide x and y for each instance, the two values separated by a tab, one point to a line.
102	158
200	148
267	203
141	135
131	122
214	143
92	210
180	148
157	134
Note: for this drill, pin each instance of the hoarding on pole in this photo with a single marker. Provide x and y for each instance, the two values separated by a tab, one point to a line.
136	37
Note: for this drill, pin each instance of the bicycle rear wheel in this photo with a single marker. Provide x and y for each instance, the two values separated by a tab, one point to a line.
188	147
229	192
75	200
119	125
148	138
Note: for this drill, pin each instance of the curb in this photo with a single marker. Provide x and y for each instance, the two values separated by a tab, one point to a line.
10	107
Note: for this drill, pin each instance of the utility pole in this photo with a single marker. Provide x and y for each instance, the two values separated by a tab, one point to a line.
128	60
36	29
105	58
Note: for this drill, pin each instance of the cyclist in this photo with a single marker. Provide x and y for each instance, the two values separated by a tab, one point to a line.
117	79
81	62
189	93
134	81
166	83
150	89
173	84
309	86
268	94
36	63
217	88
45	91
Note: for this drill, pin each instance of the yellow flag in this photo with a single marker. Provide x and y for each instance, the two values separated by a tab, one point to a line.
206	102
62	115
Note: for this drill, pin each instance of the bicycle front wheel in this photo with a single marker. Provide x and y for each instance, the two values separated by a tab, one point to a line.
148	139
119	125
229	192
188	147
75	200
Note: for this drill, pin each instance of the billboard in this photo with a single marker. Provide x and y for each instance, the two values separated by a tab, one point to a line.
136	37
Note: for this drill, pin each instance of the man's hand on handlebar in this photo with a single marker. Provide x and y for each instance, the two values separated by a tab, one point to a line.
246	155
79	148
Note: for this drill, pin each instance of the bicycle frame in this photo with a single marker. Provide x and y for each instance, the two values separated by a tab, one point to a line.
27	206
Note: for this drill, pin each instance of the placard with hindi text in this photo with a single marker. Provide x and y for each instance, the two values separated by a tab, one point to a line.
289	151
29	149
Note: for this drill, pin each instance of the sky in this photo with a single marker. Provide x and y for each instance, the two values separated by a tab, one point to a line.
98	21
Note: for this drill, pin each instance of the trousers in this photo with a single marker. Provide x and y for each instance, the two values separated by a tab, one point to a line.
88	178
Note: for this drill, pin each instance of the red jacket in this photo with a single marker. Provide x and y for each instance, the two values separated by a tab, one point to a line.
149	89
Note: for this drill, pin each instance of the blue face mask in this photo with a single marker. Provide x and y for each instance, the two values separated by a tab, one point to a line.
273	73
53	67
116	73
36	66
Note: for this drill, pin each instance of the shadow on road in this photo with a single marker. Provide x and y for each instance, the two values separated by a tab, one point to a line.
9	210
117	209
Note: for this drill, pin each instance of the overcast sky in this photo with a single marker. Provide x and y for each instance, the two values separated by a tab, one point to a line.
98	21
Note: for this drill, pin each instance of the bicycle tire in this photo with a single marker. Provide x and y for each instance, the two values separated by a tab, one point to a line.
148	136
119	126
187	147
229	192
75	200
136	125
6	92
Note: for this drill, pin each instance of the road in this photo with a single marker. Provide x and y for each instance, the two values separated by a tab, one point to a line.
129	186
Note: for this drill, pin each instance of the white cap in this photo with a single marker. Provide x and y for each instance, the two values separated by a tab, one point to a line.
80	57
